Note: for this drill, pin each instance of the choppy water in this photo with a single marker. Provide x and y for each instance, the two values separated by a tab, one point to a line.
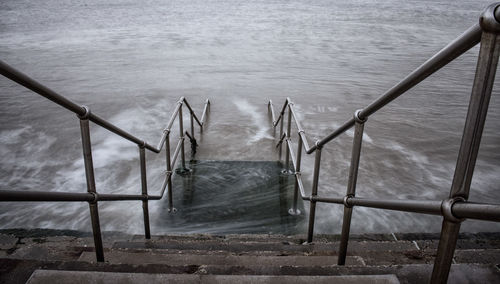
130	61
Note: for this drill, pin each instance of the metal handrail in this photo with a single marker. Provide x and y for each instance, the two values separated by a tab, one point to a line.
454	49
24	80
92	197
453	209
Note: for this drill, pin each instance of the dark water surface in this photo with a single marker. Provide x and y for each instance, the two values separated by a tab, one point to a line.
130	61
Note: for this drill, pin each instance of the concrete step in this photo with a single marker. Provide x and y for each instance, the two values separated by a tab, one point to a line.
321	248
19	271
77	277
118	257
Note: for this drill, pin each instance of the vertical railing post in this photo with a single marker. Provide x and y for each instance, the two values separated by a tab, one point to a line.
314	193
282	117
288	130
351	186
192	125
169	172
294	210
144	186
91	188
181	133
474	124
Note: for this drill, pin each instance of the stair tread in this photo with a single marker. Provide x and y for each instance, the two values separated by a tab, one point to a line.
18	271
76	277
238	260
238	246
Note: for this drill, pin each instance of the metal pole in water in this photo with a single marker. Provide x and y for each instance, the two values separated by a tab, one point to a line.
181	134
351	186
474	124
192	126
89	174
144	186
288	129
294	210
314	193
169	173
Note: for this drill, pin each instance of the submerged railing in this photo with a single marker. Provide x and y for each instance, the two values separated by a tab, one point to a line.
92	196
454	209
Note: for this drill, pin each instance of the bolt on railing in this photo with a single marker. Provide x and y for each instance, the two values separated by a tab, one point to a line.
92	197
456	208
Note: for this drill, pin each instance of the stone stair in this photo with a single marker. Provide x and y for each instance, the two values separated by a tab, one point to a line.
40	256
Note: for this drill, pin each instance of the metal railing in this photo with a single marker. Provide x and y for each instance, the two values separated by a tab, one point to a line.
454	209
92	196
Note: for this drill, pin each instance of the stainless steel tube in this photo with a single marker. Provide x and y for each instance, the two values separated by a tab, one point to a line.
417	206
288	130
488	212
282	112
300	130
351	187
174	116
109	126
343	128
176	153
457	47
294	210
144	187
314	192
474	124
290	149
338	200
169	172
192	125
89	173
181	135
191	111
281	135
120	197
16	195
270	108
22	79
42	90
203	116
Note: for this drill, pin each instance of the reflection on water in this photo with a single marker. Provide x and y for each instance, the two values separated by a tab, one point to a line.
130	62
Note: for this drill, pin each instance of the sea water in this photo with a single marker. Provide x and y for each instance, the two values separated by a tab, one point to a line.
130	61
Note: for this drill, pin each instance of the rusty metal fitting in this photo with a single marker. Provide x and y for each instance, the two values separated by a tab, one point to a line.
490	18
447	209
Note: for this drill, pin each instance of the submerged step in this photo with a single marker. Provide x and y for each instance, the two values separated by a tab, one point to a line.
225	197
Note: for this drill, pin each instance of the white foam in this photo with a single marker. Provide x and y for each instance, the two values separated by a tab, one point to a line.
256	117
